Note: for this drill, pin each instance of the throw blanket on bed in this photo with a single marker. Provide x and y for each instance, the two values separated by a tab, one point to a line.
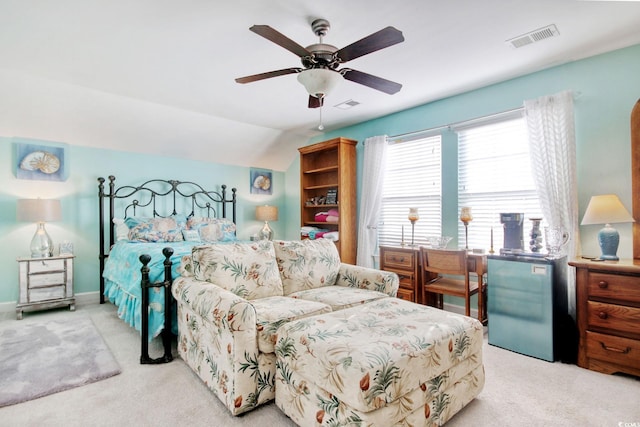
122	280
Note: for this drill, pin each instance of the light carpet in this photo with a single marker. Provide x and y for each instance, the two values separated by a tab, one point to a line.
519	391
38	359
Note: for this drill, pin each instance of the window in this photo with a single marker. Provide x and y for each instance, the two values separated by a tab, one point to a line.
494	176
412	180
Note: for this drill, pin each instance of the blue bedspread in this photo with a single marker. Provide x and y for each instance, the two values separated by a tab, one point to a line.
122	281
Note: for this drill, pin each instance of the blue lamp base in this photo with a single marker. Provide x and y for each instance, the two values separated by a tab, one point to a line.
608	238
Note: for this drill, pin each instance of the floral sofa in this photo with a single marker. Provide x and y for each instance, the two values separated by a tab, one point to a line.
233	297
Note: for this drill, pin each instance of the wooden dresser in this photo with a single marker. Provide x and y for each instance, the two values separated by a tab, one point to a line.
404	261
608	315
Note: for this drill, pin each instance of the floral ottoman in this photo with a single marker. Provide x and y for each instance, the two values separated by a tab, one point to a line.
382	363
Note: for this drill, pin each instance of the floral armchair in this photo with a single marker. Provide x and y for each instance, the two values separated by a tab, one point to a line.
232	298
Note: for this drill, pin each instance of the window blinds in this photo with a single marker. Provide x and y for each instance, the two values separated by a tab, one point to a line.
494	176
412	180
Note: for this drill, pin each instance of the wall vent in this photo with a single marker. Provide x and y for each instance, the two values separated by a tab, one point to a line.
534	36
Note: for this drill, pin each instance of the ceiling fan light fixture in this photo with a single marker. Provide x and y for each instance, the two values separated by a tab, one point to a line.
319	82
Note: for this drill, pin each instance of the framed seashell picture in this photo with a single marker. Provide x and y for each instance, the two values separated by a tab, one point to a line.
40	161
261	181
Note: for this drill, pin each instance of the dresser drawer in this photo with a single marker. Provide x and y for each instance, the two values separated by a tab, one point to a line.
617	318
399	259
46	265
406	294
45	294
614	287
407	278
48	279
612	349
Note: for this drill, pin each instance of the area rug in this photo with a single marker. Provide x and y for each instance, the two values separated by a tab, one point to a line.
38	359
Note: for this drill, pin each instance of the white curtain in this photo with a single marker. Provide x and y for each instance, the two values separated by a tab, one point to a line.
551	128
375	154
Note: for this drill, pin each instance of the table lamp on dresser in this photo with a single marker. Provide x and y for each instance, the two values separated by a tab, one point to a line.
266	213
39	211
607	209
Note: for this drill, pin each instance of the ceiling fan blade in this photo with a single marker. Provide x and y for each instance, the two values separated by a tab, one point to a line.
280	39
267	75
315	102
374	82
376	41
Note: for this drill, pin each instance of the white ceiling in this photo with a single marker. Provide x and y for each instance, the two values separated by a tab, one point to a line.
158	75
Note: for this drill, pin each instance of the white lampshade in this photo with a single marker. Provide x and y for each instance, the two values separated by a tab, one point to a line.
606	209
267	213
319	82
40	211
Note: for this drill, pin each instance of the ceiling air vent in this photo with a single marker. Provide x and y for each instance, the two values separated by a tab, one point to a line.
347	104
534	36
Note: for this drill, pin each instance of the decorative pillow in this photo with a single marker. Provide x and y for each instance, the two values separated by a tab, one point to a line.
191	236
228	229
307	264
181	221
153	229
122	231
213	229
249	270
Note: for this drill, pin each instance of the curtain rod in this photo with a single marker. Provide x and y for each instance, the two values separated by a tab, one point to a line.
455	124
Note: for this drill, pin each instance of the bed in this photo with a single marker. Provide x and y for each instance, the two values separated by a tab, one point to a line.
145	230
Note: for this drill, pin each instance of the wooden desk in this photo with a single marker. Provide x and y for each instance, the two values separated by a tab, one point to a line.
406	262
477	263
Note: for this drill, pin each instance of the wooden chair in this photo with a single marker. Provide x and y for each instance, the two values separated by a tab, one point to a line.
446	273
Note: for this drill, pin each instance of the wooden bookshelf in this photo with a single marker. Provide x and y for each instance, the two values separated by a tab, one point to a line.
326	166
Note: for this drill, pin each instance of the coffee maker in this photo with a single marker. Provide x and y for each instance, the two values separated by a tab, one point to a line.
513	233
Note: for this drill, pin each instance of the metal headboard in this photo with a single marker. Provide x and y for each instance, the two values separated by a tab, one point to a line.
161	198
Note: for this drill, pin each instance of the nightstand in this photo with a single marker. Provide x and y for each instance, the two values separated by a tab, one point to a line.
608	315
45	283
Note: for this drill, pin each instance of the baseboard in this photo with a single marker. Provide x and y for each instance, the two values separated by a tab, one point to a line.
459	309
84	298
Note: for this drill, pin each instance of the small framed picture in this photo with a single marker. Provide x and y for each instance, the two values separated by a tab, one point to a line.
66	248
40	160
332	197
261	181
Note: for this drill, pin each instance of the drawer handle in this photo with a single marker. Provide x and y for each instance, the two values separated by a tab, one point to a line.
603	315
396	259
603	285
616	350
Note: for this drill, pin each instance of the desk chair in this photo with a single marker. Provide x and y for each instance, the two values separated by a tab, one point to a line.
446	273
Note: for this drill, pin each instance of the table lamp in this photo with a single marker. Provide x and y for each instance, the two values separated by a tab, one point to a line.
266	213
39	211
607	209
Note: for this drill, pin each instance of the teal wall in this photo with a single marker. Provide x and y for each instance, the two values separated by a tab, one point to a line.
79	200
605	88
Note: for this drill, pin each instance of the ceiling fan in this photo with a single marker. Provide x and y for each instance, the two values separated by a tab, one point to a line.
320	61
